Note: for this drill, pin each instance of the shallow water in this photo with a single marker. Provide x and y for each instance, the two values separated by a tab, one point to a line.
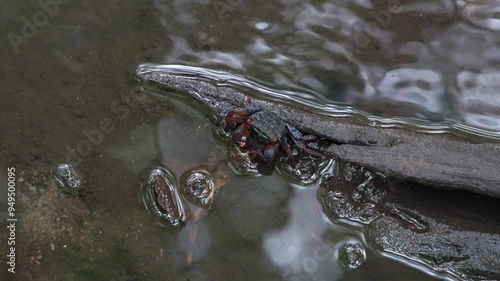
396	58
426	66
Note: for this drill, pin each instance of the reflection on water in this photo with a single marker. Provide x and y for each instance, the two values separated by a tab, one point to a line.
298	248
390	58
385	62
479	98
304	99
483	14
412	86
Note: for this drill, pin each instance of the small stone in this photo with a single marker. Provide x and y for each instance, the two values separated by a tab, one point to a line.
52	246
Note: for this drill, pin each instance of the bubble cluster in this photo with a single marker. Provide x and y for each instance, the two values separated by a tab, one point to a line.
354	193
67	178
352	255
198	187
240	162
308	168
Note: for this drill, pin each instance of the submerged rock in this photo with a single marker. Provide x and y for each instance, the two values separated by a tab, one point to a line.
449	232
468	254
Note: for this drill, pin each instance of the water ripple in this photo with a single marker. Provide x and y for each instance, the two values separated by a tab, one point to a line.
390	64
417	85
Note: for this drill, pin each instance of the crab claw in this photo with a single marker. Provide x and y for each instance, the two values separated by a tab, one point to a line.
240	136
236	117
265	159
232	120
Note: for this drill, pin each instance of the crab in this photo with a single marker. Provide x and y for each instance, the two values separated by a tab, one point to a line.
262	133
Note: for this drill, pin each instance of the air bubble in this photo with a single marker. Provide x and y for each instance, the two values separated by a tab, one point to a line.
67	178
161	197
308	168
198	187
352	255
354	194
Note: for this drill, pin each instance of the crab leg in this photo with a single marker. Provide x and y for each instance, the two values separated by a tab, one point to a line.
288	151
304	147
270	152
297	136
311	151
236	117
240	135
266	156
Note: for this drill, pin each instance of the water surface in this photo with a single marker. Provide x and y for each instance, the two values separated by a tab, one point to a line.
410	62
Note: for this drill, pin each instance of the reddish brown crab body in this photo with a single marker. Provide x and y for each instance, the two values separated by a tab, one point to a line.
262	133
267	125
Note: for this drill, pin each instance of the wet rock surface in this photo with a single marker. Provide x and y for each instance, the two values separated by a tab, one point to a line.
441	160
449	232
353	194
308	169
469	254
